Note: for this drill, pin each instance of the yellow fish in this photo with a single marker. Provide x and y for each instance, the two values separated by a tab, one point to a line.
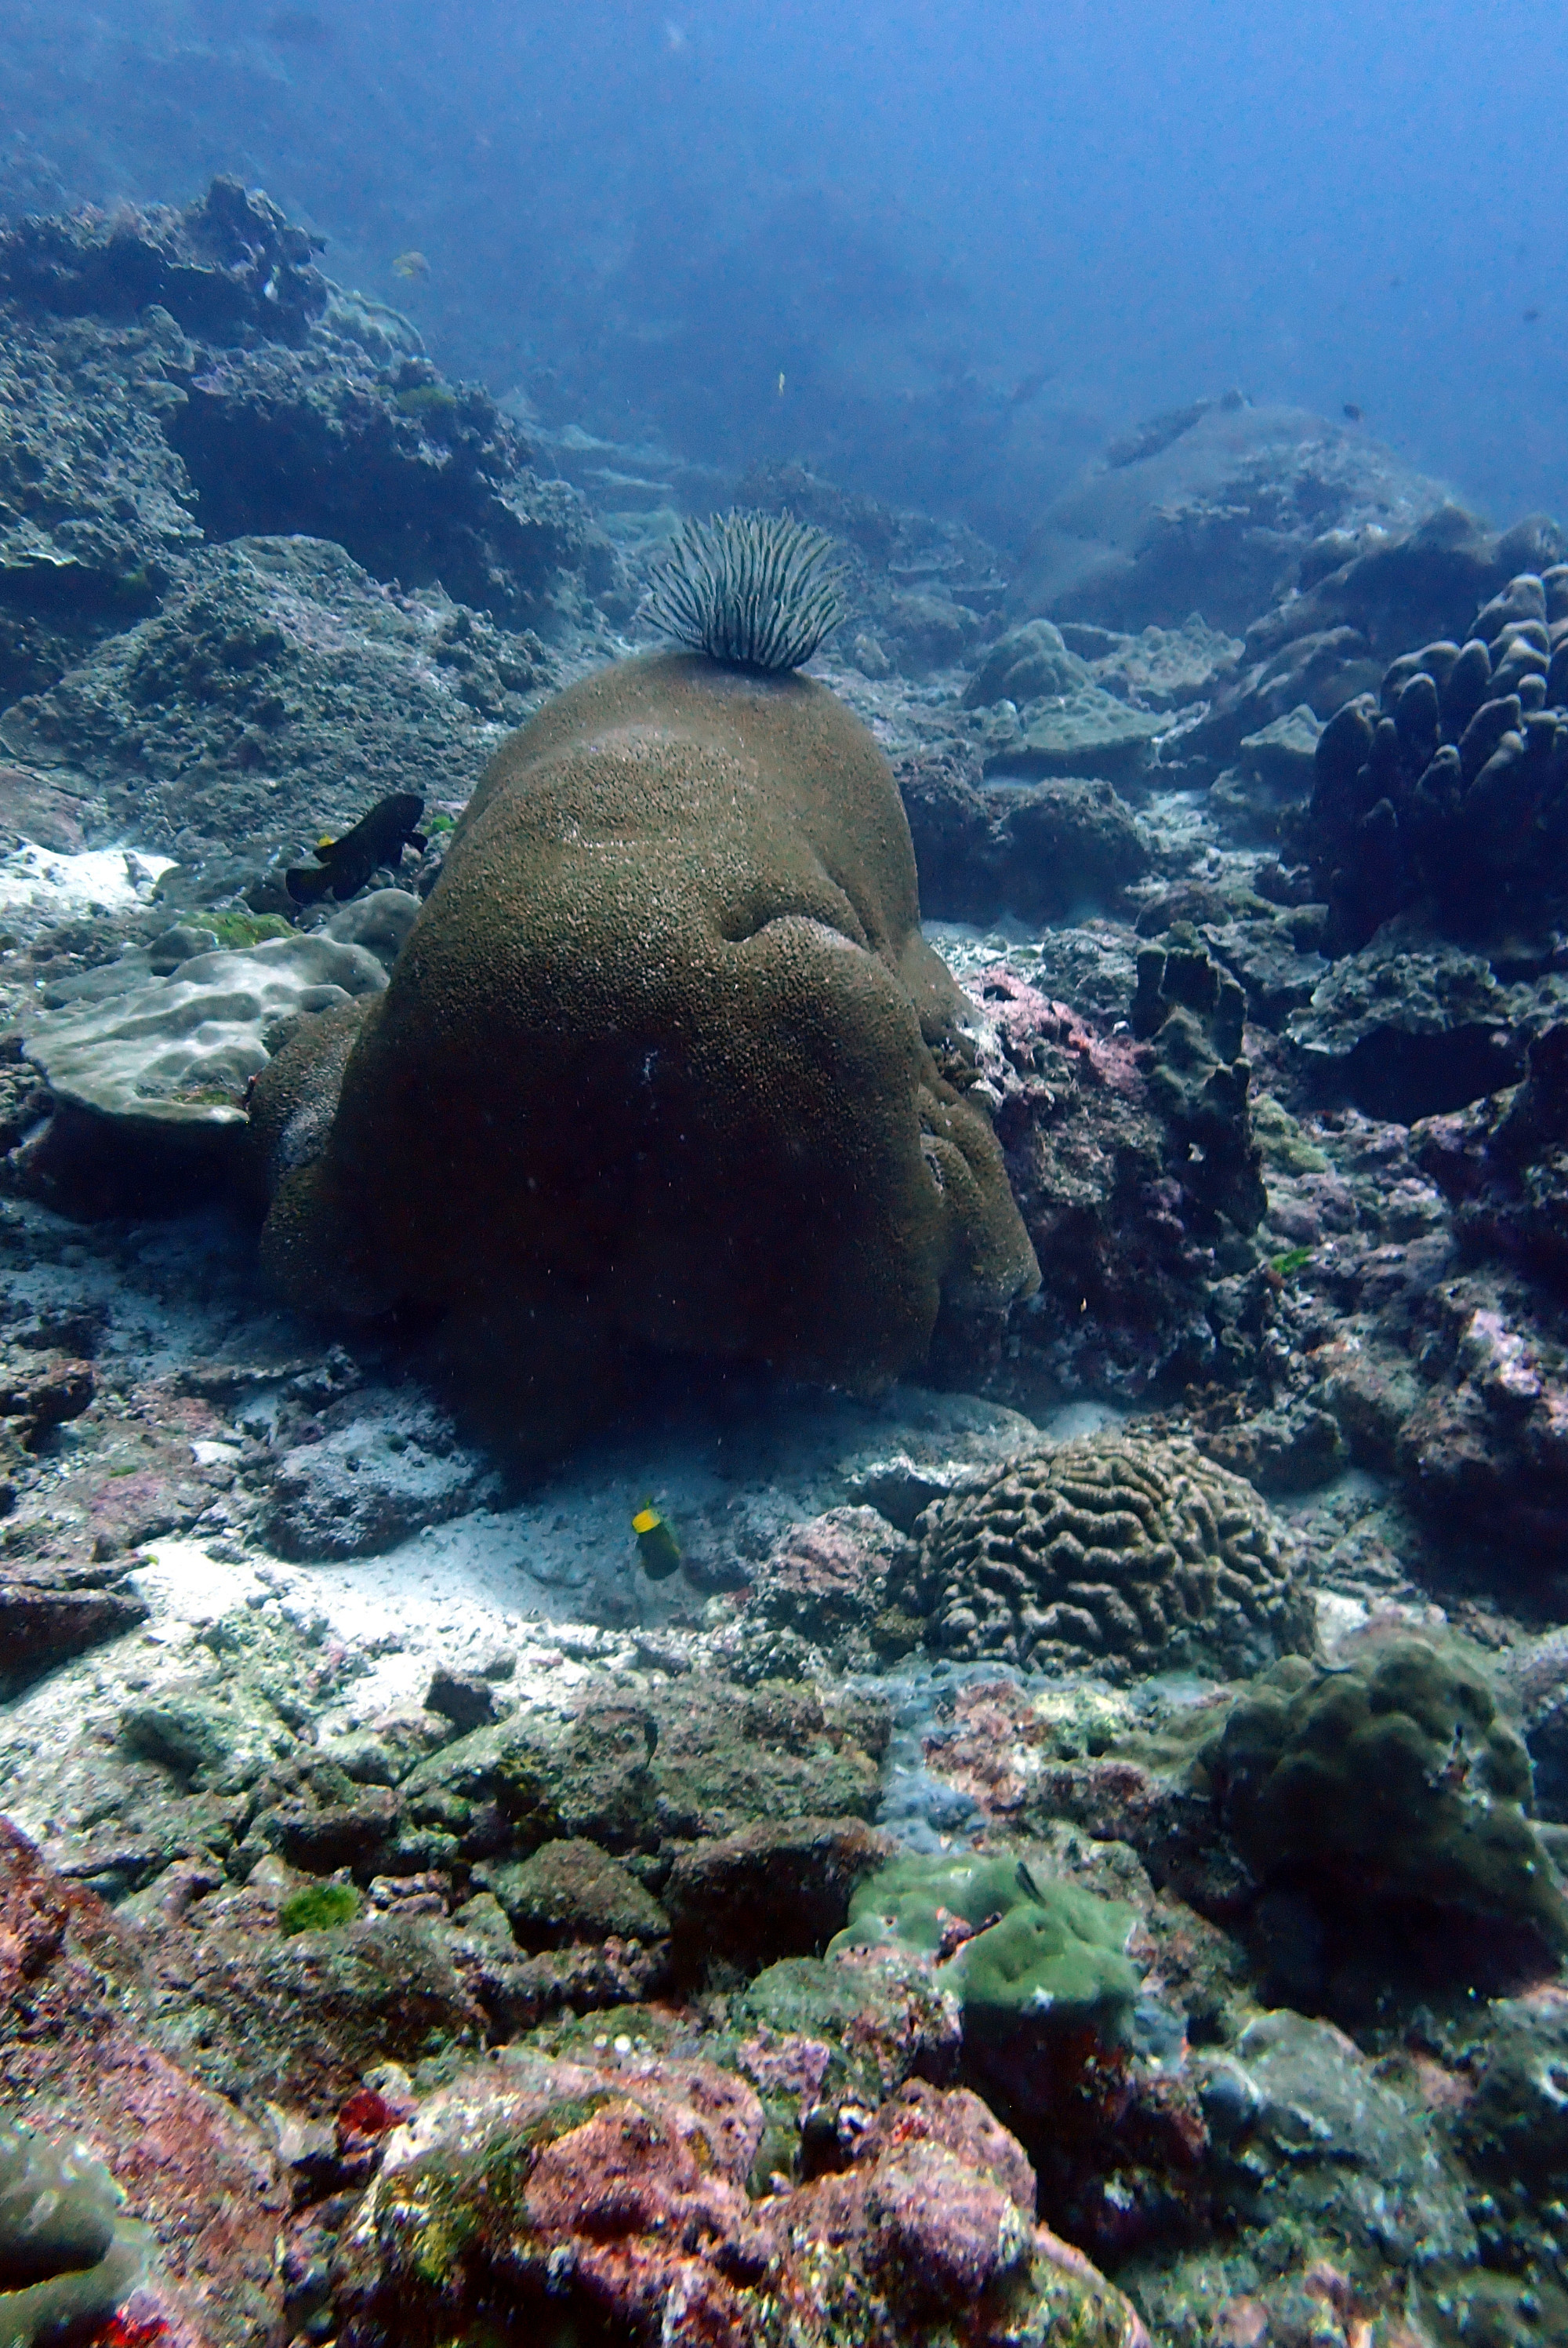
657	1546
410	264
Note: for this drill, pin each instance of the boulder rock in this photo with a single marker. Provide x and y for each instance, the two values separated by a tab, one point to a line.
1039	850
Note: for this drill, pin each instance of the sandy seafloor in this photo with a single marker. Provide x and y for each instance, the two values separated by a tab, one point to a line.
549	1586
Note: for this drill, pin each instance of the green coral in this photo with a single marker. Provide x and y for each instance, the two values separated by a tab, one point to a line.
1039	1950
1391	1780
318	1908
67	2258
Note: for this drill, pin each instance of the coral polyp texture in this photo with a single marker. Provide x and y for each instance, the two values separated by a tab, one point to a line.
1393	1784
653	1074
758	590
67	2258
1117	1554
1451	783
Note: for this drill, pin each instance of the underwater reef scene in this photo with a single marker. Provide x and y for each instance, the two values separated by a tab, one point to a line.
783	1367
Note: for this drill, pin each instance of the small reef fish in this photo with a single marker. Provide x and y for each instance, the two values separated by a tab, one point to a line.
345	865
1351	411
410	265
657	1546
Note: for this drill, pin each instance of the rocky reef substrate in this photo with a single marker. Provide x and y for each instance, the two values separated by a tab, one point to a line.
1071	1848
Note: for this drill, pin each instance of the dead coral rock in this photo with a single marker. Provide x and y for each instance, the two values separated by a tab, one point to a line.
775	1889
1115	1553
823	1584
298	2021
610	2193
1128	1158
570	1892
835	2035
690	1762
1503	1162
143	1480
44	1394
229	266
517	1993
78	2057
1035	849
388	1464
1191	1014
43	1623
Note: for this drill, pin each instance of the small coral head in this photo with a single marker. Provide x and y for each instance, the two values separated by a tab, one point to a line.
757	590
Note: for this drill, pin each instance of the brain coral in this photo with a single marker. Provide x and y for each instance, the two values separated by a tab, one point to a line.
1118	1554
654	1075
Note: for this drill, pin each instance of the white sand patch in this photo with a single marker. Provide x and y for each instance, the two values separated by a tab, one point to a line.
91	880
186	1588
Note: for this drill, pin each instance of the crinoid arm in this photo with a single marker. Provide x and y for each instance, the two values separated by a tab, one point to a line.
758	590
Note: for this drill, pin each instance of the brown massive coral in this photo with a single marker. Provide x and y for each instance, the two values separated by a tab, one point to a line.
653	1074
1119	1554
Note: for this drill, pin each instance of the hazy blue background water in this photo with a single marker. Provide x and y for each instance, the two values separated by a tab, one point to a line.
975	240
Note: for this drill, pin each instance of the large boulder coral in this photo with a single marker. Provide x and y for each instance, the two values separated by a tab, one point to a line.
653	1076
1041	850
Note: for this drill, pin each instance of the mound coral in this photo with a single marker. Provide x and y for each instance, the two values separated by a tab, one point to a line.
1119	1554
68	2259
1021	1952
1392	1785
654	1075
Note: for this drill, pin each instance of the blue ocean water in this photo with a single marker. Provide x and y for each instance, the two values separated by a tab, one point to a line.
945	251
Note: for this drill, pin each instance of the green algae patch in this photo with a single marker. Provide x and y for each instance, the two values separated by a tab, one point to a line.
235	930
318	1908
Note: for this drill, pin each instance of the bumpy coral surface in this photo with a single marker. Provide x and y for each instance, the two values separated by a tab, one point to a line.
1122	1554
1019	1949
553	2199
1453	782
67	2258
653	1074
1393	1782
